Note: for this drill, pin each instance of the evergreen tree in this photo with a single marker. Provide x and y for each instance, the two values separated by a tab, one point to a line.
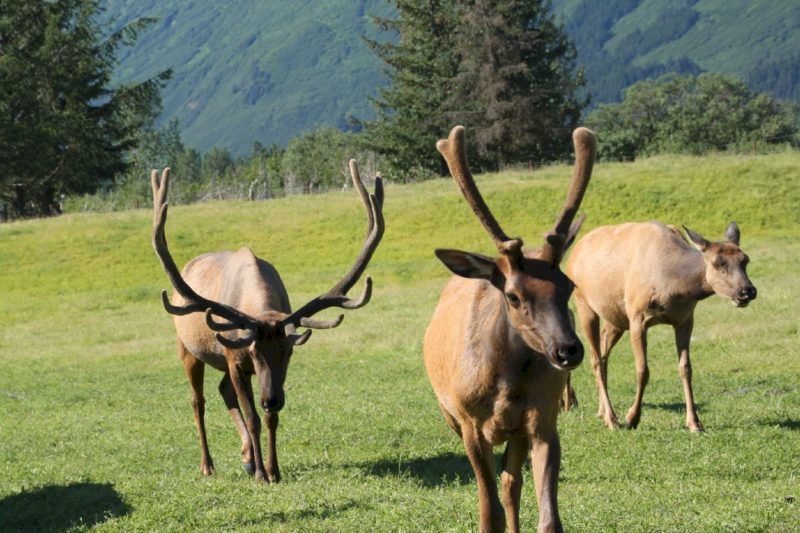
419	65
62	128
516	84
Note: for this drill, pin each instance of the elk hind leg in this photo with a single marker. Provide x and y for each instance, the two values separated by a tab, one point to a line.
590	322
683	335
228	394
195	370
639	345
511	479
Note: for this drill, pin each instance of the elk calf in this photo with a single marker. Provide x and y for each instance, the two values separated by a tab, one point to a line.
634	276
247	294
500	345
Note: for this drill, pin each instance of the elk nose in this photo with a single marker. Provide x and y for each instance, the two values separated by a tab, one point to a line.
570	355
748	293
272	404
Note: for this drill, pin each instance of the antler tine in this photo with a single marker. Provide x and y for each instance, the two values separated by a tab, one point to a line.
196	303
585	149
337	295
454	153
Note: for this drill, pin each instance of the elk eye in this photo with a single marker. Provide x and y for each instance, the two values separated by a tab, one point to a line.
513	299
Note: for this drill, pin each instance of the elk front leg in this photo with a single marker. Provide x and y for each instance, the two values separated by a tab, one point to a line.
273	472
545	464
228	393
639	344
244	392
479	453
683	335
511	480
195	369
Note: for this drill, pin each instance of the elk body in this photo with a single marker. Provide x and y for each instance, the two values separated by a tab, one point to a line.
500	344
637	275
231	312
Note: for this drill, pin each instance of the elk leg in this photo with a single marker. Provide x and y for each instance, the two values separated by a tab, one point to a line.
590	322
545	464
244	392
511	480
609	338
273	472
195	369
683	334
232	403
639	344
479	453
568	399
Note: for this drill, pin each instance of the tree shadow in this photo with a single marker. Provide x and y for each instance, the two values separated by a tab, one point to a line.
54	508
443	469
675	407
788	423
321	511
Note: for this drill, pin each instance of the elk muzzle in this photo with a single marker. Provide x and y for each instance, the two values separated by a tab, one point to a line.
744	295
567	355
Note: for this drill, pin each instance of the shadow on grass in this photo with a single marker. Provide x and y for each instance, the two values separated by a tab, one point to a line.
443	469
675	407
788	423
60	507
319	512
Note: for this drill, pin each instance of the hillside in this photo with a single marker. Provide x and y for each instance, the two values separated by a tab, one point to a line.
269	70
96	417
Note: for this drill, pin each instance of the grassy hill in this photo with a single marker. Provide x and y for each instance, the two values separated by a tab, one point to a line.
95	414
268	70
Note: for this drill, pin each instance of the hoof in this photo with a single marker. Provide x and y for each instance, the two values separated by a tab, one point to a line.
249	468
696	428
261	477
207	470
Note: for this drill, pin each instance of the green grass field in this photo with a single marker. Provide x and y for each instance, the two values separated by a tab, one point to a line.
96	426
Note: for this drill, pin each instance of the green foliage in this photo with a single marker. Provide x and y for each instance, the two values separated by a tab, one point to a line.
318	160
691	114
516	82
96	421
63	129
411	112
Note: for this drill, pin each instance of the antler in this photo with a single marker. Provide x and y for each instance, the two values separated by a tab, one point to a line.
196	303
585	148
337	295
454	153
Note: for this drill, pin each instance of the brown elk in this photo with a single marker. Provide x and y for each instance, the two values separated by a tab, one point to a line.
637	275
239	294
499	347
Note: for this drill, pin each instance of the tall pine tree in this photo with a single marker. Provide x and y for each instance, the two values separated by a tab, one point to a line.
62	128
419	64
516	84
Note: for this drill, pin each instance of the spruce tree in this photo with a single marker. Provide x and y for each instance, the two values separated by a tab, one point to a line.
419	64
516	84
62	128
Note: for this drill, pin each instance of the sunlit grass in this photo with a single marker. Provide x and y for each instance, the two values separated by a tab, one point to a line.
95	415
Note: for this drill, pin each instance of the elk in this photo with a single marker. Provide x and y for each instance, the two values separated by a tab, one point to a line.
231	311
500	344
637	275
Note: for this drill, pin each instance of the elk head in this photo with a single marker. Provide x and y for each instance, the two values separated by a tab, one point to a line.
534	290
726	266
267	340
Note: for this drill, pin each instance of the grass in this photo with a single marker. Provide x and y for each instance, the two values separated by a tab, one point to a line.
96	428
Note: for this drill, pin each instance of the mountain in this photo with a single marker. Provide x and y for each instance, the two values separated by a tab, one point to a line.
267	70
623	41
255	70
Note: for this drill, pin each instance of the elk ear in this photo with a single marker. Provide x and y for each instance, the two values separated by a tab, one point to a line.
468	265
732	233
697	239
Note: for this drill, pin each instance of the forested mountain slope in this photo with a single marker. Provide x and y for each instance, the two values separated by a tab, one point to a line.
267	70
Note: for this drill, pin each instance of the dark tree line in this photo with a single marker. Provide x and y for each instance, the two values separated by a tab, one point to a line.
504	69
63	129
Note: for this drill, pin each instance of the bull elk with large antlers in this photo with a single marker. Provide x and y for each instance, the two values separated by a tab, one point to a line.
500	345
231	311
637	275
